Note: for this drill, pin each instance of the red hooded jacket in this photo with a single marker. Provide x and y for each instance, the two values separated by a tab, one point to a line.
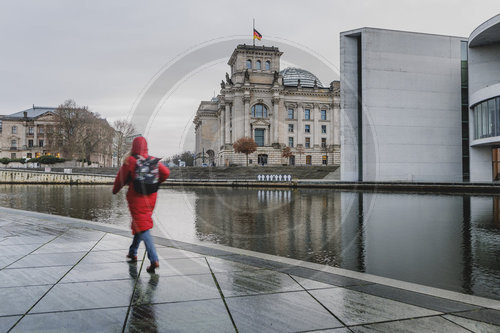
141	205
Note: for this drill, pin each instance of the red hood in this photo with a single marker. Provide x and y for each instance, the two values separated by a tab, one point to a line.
140	146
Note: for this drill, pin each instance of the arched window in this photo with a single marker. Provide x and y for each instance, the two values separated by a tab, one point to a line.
308	159
268	65
257	64
259	111
249	64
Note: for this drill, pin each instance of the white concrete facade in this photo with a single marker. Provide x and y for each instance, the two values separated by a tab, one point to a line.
409	88
484	91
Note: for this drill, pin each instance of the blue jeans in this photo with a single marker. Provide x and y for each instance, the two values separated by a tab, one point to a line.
148	241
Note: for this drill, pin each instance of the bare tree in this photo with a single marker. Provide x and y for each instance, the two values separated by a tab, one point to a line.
121	143
245	146
79	133
300	151
287	153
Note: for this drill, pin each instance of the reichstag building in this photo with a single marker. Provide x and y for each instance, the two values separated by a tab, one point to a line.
277	108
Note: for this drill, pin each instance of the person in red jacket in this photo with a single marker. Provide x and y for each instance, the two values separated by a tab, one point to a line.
140	205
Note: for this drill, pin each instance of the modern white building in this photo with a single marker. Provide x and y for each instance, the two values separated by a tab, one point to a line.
413	105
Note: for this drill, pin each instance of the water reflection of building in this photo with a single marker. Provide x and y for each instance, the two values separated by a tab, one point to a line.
302	224
443	241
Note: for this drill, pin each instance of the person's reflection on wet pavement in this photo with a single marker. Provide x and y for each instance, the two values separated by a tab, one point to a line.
142	316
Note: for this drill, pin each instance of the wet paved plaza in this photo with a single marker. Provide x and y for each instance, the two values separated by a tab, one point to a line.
68	275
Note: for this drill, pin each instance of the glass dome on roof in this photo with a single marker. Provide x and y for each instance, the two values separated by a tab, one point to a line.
291	76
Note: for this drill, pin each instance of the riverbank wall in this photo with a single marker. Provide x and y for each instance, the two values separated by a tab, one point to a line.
40	177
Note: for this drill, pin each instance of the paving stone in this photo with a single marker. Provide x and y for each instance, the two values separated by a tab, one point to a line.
101	257
86	295
8	260
171	253
23	240
473	325
199	316
187	266
102	272
21	277
102	320
12	250
485	315
333	330
65	247
113	242
432	324
7	322
240	283
283	312
163	289
16	301
409	297
325	277
311	284
49	259
218	264
354	308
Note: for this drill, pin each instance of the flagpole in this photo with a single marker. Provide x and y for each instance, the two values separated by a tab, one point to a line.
253	32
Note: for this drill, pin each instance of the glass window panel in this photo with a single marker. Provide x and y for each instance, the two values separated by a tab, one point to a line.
290	127
307	114
323	129
491	114
323	114
290	113
268	65
308	128
249	64
259	137
498	115
290	141
257	64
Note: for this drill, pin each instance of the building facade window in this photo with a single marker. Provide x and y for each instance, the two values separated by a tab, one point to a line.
37	155
307	114
258	64
31	130
41	130
308	142
325	160
323	142
29	155
30	143
323	129
0	126
323	114
307	128
290	128
290	114
487	118
259	137
40	143
13	155
13	144
308	159
268	65
259	111
290	141
249	64
14	129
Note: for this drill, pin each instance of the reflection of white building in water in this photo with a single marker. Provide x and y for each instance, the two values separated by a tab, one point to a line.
420	107
288	108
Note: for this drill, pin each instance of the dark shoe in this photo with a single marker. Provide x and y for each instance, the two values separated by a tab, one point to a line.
131	258
152	267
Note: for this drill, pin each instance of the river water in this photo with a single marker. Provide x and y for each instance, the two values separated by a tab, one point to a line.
444	241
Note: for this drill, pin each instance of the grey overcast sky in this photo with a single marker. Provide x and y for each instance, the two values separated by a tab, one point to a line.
103	53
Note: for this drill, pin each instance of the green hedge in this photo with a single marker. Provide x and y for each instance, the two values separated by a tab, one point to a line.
6	160
46	159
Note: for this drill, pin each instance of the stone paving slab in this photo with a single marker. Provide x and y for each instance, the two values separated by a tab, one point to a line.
66	275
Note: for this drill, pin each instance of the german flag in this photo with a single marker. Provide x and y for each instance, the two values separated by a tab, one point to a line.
256	35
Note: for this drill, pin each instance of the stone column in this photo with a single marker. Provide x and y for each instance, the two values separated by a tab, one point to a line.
335	124
246	117
222	119
299	130
226	123
276	119
316	127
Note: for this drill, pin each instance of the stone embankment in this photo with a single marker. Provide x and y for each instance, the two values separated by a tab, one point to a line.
40	177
